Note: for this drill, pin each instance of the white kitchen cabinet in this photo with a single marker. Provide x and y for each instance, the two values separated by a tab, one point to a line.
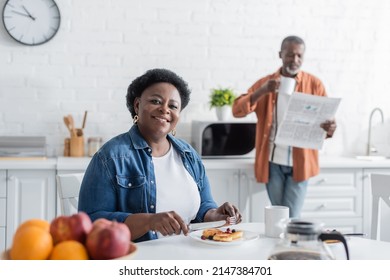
3	205
31	194
253	197
335	197
224	185
239	187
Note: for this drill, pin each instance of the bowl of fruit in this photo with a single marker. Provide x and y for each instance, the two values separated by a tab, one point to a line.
73	237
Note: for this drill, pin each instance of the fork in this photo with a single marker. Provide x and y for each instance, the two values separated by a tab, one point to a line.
232	220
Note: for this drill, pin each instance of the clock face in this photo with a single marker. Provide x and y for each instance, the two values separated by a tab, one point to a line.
31	22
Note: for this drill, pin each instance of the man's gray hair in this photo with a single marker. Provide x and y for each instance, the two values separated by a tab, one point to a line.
294	39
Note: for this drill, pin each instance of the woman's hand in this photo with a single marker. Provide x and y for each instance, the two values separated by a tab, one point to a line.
224	212
168	223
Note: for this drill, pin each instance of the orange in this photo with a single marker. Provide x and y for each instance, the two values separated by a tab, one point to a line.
69	250
31	243
35	222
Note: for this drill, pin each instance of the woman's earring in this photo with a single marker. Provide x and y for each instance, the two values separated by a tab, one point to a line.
173	132
135	119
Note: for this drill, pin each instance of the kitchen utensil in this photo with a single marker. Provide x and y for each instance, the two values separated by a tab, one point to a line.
232	220
198	226
304	240
71	126
67	123
84	119
79	132
71	120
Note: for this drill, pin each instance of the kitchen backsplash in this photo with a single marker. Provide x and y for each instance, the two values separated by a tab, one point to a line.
103	45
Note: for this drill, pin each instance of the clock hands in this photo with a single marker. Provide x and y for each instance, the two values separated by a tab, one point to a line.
28	13
19	13
23	14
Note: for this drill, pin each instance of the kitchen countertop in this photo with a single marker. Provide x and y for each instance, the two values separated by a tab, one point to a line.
30	163
81	163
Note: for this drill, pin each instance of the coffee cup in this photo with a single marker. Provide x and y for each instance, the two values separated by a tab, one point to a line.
274	215
287	85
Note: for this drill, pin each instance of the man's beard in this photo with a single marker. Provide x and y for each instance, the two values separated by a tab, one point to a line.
291	71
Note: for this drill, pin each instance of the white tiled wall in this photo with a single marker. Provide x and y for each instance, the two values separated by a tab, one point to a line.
103	45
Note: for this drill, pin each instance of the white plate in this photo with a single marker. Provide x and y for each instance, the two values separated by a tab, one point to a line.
246	237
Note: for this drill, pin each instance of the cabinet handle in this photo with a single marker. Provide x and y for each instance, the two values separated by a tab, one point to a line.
322	206
322	181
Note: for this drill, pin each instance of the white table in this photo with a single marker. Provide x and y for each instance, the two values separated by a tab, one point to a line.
182	247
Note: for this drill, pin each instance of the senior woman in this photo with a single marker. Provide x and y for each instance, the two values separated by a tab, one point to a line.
146	178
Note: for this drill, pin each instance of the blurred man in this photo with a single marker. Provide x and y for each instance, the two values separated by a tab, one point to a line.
284	169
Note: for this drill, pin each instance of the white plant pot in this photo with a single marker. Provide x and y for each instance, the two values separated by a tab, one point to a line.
223	113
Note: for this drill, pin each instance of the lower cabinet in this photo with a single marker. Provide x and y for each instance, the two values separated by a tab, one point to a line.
338	197
30	194
3	206
239	187
335	197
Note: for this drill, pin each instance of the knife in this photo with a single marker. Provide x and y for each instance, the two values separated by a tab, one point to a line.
198	226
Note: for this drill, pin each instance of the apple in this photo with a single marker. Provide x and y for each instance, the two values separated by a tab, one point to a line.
74	227
108	240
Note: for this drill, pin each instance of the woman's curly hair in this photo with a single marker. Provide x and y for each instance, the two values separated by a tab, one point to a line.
153	76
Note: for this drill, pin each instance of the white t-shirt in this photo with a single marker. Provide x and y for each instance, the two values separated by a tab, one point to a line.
176	188
280	154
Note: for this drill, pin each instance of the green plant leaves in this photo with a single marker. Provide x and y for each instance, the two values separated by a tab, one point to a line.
221	96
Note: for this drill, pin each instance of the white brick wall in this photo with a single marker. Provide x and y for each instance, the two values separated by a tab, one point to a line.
103	45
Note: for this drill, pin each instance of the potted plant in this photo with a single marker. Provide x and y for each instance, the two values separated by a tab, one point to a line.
222	99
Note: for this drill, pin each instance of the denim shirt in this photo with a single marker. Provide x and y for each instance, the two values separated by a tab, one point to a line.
120	179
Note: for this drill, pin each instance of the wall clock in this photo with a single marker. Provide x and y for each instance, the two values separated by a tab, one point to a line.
31	22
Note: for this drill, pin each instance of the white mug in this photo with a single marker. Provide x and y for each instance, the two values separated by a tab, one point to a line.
287	85
273	215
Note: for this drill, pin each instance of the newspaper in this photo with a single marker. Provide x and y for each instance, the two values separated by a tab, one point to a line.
300	126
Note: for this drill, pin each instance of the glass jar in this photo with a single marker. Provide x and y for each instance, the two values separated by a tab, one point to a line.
304	240
94	144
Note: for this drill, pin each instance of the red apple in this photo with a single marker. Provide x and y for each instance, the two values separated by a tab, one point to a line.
108	240
75	227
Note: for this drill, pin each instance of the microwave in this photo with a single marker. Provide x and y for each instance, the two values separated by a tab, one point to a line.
224	139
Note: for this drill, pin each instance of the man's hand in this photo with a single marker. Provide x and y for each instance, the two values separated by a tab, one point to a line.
270	86
329	126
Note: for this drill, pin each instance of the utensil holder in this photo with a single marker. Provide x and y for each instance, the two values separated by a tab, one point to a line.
77	146
67	147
